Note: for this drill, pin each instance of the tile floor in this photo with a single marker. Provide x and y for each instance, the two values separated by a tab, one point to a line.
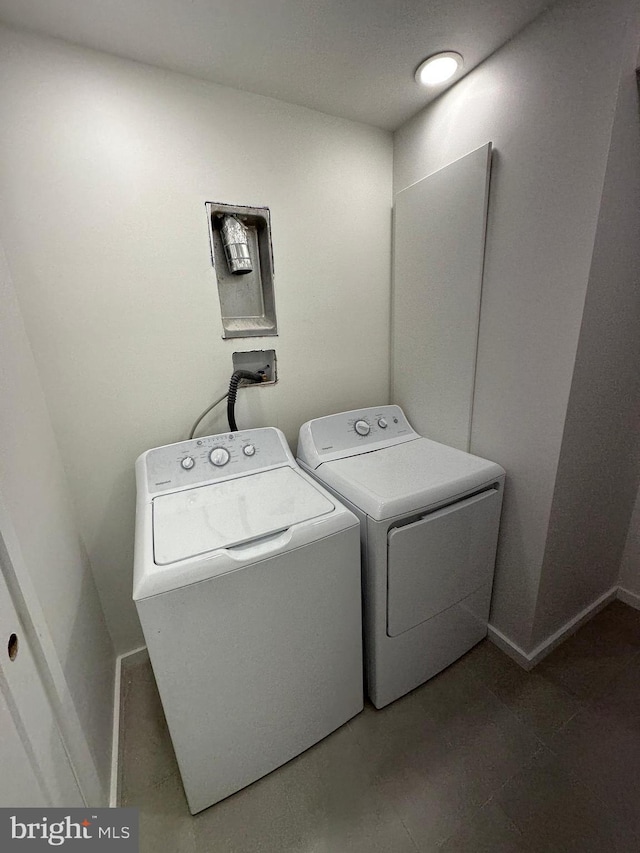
484	757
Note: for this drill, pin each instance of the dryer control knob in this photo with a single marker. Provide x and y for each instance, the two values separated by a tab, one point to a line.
249	450
219	456
188	462
362	428
382	423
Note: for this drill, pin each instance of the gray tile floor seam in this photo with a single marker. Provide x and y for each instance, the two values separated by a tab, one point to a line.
542	739
590	781
596	795
589	705
413	841
452	842
433	806
131	798
493	798
555	812
515	715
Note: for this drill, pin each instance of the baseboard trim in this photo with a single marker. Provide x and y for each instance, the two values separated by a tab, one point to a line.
115	740
528	660
628	597
510	648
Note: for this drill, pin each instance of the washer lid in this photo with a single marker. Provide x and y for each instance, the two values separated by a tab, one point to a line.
398	480
221	515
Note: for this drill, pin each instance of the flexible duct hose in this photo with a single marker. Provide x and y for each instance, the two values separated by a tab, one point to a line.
236	378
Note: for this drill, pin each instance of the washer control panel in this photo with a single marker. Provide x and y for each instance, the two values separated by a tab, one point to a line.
349	433
205	460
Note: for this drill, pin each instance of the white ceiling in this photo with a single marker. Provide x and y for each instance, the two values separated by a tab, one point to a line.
349	58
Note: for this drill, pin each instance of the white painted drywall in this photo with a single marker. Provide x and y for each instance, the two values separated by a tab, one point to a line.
547	101
599	466
35	496
105	167
438	255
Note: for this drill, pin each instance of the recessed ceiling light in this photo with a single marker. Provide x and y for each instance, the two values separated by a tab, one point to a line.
439	68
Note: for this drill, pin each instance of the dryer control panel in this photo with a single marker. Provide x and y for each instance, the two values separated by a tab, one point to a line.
350	433
213	458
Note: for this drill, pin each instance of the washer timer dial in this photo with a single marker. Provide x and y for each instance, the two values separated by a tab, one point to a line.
219	456
362	427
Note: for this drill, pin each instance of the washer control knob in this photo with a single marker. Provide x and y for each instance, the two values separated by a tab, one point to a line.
382	423
219	456
188	462
362	428
249	450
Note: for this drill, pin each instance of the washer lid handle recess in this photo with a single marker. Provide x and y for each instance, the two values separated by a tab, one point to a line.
221	515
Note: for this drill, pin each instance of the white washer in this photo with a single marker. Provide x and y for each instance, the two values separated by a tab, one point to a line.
247	585
429	518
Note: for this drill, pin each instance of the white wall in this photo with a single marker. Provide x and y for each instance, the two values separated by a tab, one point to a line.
105	166
35	498
629	578
599	465
546	100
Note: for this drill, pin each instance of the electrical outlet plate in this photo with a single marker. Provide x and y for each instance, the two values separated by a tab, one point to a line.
257	361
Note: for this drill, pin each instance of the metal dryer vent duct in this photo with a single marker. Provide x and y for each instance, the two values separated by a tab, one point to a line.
236	246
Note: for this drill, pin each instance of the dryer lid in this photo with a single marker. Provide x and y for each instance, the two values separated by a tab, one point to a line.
407	477
197	521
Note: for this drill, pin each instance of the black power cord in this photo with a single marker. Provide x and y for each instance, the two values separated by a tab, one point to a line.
236	378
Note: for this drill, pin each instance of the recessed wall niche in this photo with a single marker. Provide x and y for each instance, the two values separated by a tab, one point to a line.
242	258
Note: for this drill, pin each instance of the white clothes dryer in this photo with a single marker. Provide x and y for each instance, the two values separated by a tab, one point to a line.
429	517
247	585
